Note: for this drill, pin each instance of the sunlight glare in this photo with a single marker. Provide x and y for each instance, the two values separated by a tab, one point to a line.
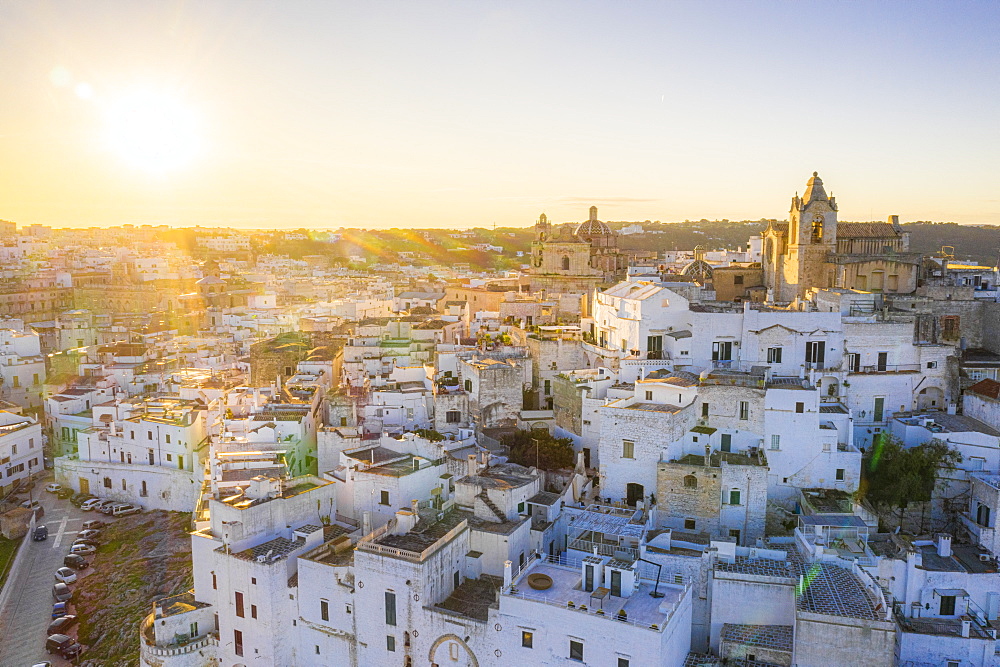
153	132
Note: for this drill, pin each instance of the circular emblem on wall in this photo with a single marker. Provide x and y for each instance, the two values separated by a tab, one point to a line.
361	584
498	627
416	597
498	653
415	634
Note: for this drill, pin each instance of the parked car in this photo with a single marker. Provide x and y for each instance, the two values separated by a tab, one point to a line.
42	664
61	592
90	504
82	549
38	511
88	534
62	624
41	533
60	609
52	487
79	499
93	524
66	575
89	541
64	493
108	507
125	510
31	504
75	561
63	645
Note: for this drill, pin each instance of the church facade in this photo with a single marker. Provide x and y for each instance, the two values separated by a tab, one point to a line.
575	258
815	251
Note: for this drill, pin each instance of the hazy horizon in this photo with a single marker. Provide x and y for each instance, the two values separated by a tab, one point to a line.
457	115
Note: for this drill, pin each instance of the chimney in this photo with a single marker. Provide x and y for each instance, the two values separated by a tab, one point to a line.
894	221
943	542
966	627
708	456
415	506
472	468
508	574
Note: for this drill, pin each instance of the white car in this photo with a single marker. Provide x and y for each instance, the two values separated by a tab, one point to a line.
52	487
65	575
91	504
82	549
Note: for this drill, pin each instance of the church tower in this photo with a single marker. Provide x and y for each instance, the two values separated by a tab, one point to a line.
812	238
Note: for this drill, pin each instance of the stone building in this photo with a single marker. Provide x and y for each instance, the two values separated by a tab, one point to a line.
723	494
575	258
813	250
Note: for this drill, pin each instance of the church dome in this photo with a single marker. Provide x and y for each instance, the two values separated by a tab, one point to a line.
593	226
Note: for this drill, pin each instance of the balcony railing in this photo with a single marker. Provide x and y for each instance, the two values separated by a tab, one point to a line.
887	368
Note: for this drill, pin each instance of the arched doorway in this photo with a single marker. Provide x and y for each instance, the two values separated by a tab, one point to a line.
930	398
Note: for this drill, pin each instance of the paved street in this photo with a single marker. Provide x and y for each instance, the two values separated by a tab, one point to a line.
26	601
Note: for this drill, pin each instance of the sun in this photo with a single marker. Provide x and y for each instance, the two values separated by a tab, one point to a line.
152	131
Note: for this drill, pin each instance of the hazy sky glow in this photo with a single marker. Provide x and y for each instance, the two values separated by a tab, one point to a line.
419	114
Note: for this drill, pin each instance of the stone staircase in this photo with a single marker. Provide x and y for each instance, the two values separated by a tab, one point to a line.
493	507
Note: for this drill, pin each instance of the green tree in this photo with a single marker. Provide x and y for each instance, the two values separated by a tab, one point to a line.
892	476
539	448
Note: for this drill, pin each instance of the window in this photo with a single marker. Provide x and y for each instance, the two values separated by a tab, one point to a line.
451	417
800	407
168	438
124	487
253	580
107	482
649	395
840	474
654	347
180	462
215	582
565	263
722	351
744	410
575	650
13	450
775	441
238	640
520	508
623	662
170	457
690	482
737	280
947	605
253	611
390	643
17	381
390	608
704	410
931	364
468	385
383	498
734	496
149	435
735	534
527	638
815	352
628	449
239	604
689	524
976	463
324	610
726	442
548	387
774	355
316	647
853	362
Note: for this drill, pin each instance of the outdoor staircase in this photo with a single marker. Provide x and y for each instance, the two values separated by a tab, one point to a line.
493	507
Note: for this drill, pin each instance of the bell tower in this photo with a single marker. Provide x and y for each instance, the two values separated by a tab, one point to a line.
812	238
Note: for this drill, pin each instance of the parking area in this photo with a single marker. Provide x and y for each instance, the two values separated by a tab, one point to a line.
26	600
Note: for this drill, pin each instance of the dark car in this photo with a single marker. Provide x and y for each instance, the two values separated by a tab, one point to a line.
61	592
80	498
93	524
60	609
75	561
64	493
62	645
87	540
41	533
62	624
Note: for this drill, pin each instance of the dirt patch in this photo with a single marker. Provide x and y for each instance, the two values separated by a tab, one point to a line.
142	558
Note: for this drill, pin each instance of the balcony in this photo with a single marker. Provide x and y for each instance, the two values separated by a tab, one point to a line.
181	645
886	368
983	535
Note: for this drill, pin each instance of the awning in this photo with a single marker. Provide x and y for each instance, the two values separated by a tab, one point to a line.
951	592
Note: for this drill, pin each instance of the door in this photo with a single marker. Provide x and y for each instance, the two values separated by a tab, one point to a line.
883	360
616	583
634	493
588	577
84	485
878	414
586	457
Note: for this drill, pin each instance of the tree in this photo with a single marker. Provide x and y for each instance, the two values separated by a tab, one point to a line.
892	476
539	448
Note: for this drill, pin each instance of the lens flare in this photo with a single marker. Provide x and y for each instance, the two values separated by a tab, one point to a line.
152	132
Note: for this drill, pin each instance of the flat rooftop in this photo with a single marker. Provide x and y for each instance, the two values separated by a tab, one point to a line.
774	637
942	422
474	597
641	608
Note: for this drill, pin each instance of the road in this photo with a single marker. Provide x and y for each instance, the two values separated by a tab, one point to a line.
26	601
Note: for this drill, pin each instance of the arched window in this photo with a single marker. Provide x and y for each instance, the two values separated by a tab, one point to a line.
817	229
690	482
565	263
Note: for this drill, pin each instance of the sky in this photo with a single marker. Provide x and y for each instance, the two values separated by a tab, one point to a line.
429	114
